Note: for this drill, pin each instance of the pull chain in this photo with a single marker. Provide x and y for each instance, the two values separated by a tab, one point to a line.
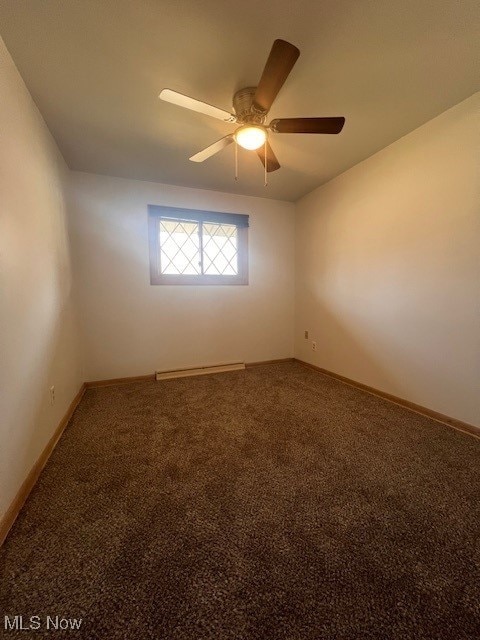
265	149
236	161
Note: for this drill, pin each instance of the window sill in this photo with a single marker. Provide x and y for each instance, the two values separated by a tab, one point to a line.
199	280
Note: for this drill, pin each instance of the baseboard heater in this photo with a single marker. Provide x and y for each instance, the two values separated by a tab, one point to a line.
198	371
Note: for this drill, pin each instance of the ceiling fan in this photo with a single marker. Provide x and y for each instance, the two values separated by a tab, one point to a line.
251	106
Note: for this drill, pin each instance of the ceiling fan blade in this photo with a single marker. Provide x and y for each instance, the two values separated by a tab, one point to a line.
307	125
212	149
279	64
196	105
272	162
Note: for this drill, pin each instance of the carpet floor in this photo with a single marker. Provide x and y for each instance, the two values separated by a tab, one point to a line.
272	503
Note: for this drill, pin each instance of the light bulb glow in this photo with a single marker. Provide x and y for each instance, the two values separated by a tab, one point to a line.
250	137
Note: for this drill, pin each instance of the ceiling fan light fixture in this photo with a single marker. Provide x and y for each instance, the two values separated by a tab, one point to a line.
250	137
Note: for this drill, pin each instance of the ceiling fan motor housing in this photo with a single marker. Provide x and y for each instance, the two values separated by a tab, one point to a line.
244	109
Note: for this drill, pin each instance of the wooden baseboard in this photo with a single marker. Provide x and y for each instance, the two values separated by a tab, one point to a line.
465	427
262	362
115	381
14	509
111	382
199	371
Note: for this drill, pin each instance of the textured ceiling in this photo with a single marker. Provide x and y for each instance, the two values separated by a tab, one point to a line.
95	68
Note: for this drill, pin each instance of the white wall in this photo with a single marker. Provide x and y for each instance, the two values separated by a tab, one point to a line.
38	336
388	268
133	328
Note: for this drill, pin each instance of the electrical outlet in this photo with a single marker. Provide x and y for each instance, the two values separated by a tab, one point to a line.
314	345
306	335
52	395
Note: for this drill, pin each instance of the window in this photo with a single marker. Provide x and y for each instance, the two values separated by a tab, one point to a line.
197	247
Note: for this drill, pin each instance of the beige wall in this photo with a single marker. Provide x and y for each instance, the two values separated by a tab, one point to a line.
388	268
132	328
38	337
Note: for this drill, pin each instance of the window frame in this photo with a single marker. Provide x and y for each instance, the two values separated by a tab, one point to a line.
157	213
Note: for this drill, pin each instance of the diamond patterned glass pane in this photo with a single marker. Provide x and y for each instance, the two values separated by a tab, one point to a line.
220	249
179	247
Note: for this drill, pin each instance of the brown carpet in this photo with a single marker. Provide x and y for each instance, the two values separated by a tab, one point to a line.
273	503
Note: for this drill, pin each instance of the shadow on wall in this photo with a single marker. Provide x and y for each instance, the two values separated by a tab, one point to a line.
339	342
41	324
387	270
49	364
